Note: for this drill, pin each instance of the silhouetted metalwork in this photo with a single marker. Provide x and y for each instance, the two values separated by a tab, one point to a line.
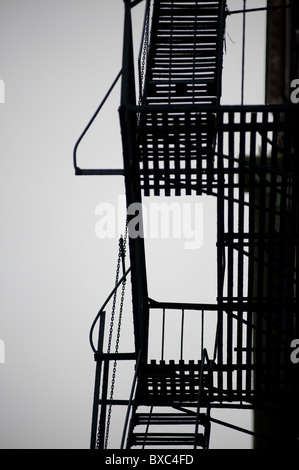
179	140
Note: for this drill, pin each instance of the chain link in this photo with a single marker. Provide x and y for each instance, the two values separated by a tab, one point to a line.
121	256
112	320
122	251
114	302
144	54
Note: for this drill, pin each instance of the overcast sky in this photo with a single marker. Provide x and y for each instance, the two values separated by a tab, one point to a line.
57	60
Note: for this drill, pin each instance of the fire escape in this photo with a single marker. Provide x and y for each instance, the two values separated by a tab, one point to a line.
179	140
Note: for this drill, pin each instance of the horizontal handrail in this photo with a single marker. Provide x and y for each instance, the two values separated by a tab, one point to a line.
112	356
213	108
77	169
103	306
100	172
254	10
153	304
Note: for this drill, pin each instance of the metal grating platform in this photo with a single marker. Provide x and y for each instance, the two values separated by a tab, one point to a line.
166	383
186	150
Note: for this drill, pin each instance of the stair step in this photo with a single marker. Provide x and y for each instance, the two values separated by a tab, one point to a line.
173	439
182	39
207	2
190	64
167	419
190	11
180	79
186	30
187	50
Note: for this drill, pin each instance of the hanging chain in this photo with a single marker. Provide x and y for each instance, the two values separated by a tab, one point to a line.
121	257
111	322
114	302
144	53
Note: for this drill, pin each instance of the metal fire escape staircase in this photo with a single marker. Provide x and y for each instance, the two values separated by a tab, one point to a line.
184	61
184	66
177	386
179	140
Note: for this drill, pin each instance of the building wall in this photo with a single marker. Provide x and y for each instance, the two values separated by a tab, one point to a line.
282	67
282	55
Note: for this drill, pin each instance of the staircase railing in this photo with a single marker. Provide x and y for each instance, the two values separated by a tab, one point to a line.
204	360
131	402
206	320
143	51
100	359
103	308
79	171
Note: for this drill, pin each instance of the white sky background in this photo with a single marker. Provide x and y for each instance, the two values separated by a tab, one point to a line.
57	60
